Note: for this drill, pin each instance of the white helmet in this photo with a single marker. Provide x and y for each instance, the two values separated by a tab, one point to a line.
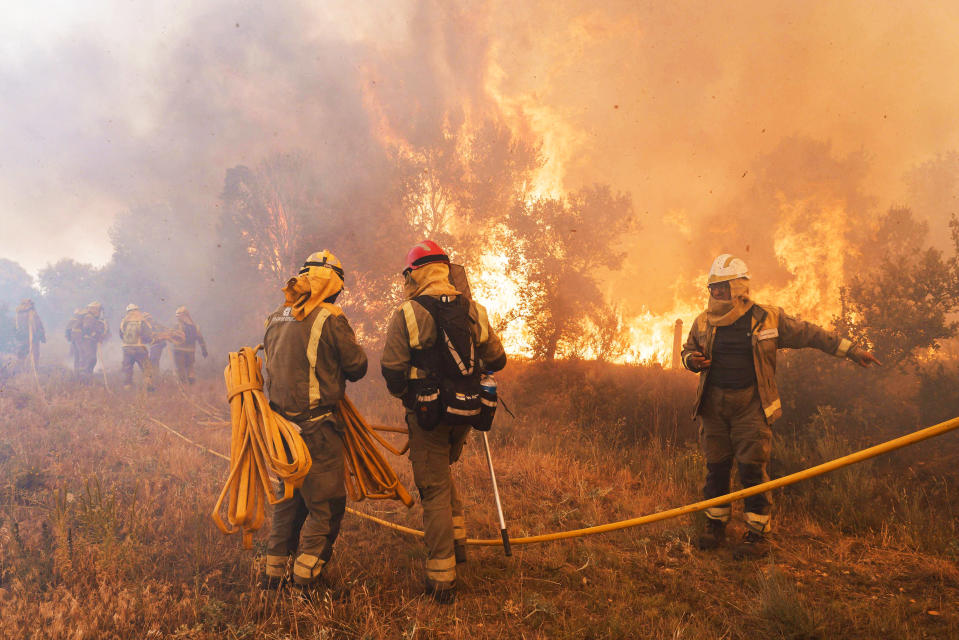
727	267
132	307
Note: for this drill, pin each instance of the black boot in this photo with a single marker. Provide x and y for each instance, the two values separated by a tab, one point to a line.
753	546
713	535
441	592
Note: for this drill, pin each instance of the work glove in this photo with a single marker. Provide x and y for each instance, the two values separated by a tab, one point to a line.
862	357
204	351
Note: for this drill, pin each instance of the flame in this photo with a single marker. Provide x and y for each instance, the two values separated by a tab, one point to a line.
810	242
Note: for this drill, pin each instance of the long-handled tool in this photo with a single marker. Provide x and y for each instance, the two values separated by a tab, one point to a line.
499	505
103	368
33	360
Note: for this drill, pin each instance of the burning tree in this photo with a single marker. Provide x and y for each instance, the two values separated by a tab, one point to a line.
560	248
902	305
267	209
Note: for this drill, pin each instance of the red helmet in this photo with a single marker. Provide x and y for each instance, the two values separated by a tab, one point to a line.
424	253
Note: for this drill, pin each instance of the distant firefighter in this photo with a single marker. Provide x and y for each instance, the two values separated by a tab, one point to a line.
311	351
733	345
438	327
72	333
185	337
136	333
87	332
30	333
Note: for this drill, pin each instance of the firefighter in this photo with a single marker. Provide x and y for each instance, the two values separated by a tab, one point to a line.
136	332
185	337
30	333
92	331
72	333
311	351
733	345
409	369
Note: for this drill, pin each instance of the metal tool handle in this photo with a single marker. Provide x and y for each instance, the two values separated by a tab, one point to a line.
499	505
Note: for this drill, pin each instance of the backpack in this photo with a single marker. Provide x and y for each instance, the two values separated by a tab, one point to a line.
451	391
131	333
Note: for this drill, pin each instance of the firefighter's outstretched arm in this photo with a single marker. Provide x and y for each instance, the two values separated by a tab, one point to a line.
799	334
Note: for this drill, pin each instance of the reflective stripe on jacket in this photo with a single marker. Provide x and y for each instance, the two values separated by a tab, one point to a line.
309	361
412	328
771	330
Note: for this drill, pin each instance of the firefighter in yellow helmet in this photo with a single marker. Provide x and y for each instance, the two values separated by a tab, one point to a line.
136	333
185	337
30	333
414	369
733	345
311	351
90	330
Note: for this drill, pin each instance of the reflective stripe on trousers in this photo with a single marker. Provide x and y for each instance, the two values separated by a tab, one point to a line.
441	569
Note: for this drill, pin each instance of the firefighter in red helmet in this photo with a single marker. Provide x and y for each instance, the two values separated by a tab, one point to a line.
412	368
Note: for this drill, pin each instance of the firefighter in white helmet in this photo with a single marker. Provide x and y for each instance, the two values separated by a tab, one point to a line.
136	333
733	345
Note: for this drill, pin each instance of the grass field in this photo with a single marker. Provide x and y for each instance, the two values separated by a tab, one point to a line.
105	528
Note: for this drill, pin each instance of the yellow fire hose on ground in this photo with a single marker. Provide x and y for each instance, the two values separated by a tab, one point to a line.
821	469
263	442
259	435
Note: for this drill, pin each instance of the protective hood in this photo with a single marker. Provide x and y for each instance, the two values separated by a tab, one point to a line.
429	280
183	315
135	315
25	305
722	313
308	291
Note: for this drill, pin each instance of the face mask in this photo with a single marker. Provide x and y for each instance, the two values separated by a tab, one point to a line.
722	313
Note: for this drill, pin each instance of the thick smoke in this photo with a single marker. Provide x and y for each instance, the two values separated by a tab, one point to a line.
723	123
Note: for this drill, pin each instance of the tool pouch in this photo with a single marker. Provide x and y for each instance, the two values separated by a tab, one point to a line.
484	422
427	407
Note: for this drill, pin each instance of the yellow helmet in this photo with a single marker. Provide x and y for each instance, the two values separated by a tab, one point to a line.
323	260
727	267
182	311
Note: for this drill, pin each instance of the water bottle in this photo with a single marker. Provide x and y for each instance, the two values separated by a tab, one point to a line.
488	385
488	400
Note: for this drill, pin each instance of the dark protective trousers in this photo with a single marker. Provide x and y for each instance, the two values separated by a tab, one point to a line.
86	353
23	352
183	361
733	428
308	523
136	356
431	454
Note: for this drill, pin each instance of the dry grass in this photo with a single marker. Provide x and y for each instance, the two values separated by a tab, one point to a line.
105	530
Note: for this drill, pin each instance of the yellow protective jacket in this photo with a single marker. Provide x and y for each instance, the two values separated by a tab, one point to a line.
771	330
186	336
29	323
92	328
141	335
308	361
412	328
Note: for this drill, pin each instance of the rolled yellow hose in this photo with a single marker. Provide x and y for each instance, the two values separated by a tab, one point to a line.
261	442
